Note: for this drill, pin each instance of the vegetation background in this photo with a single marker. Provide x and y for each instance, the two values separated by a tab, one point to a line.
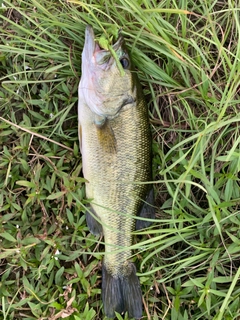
187	54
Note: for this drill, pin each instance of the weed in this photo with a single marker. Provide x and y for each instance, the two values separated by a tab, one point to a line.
187	57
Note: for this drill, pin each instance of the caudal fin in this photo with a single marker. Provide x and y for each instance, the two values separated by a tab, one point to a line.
121	293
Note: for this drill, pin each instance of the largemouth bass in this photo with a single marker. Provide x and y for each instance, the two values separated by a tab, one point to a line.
115	143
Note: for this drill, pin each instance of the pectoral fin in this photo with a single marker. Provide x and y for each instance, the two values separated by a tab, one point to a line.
80	136
99	120
106	137
147	211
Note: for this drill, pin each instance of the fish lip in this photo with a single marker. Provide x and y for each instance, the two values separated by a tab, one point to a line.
116	46
91	46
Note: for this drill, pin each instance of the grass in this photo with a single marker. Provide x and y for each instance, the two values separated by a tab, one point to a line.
187	54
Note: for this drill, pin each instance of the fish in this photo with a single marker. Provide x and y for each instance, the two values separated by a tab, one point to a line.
115	144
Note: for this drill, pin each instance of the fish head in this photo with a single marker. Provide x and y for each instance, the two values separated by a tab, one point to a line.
103	87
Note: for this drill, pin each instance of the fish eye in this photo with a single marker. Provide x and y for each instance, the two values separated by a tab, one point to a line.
125	63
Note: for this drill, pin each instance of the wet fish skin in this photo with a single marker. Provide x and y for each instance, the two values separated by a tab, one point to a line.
115	143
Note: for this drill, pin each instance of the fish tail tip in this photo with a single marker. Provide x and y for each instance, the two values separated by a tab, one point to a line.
121	293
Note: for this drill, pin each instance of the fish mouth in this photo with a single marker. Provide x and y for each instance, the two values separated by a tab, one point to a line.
92	48
89	44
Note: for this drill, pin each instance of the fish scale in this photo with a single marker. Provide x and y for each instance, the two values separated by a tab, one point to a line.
116	155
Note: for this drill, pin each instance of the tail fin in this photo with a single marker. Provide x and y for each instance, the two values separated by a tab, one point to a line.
121	293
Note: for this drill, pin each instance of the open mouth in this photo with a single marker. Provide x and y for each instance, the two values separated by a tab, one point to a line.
92	48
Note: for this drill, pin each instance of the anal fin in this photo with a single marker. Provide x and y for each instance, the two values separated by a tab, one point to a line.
94	226
147	211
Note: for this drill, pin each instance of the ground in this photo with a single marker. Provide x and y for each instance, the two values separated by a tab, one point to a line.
187	58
